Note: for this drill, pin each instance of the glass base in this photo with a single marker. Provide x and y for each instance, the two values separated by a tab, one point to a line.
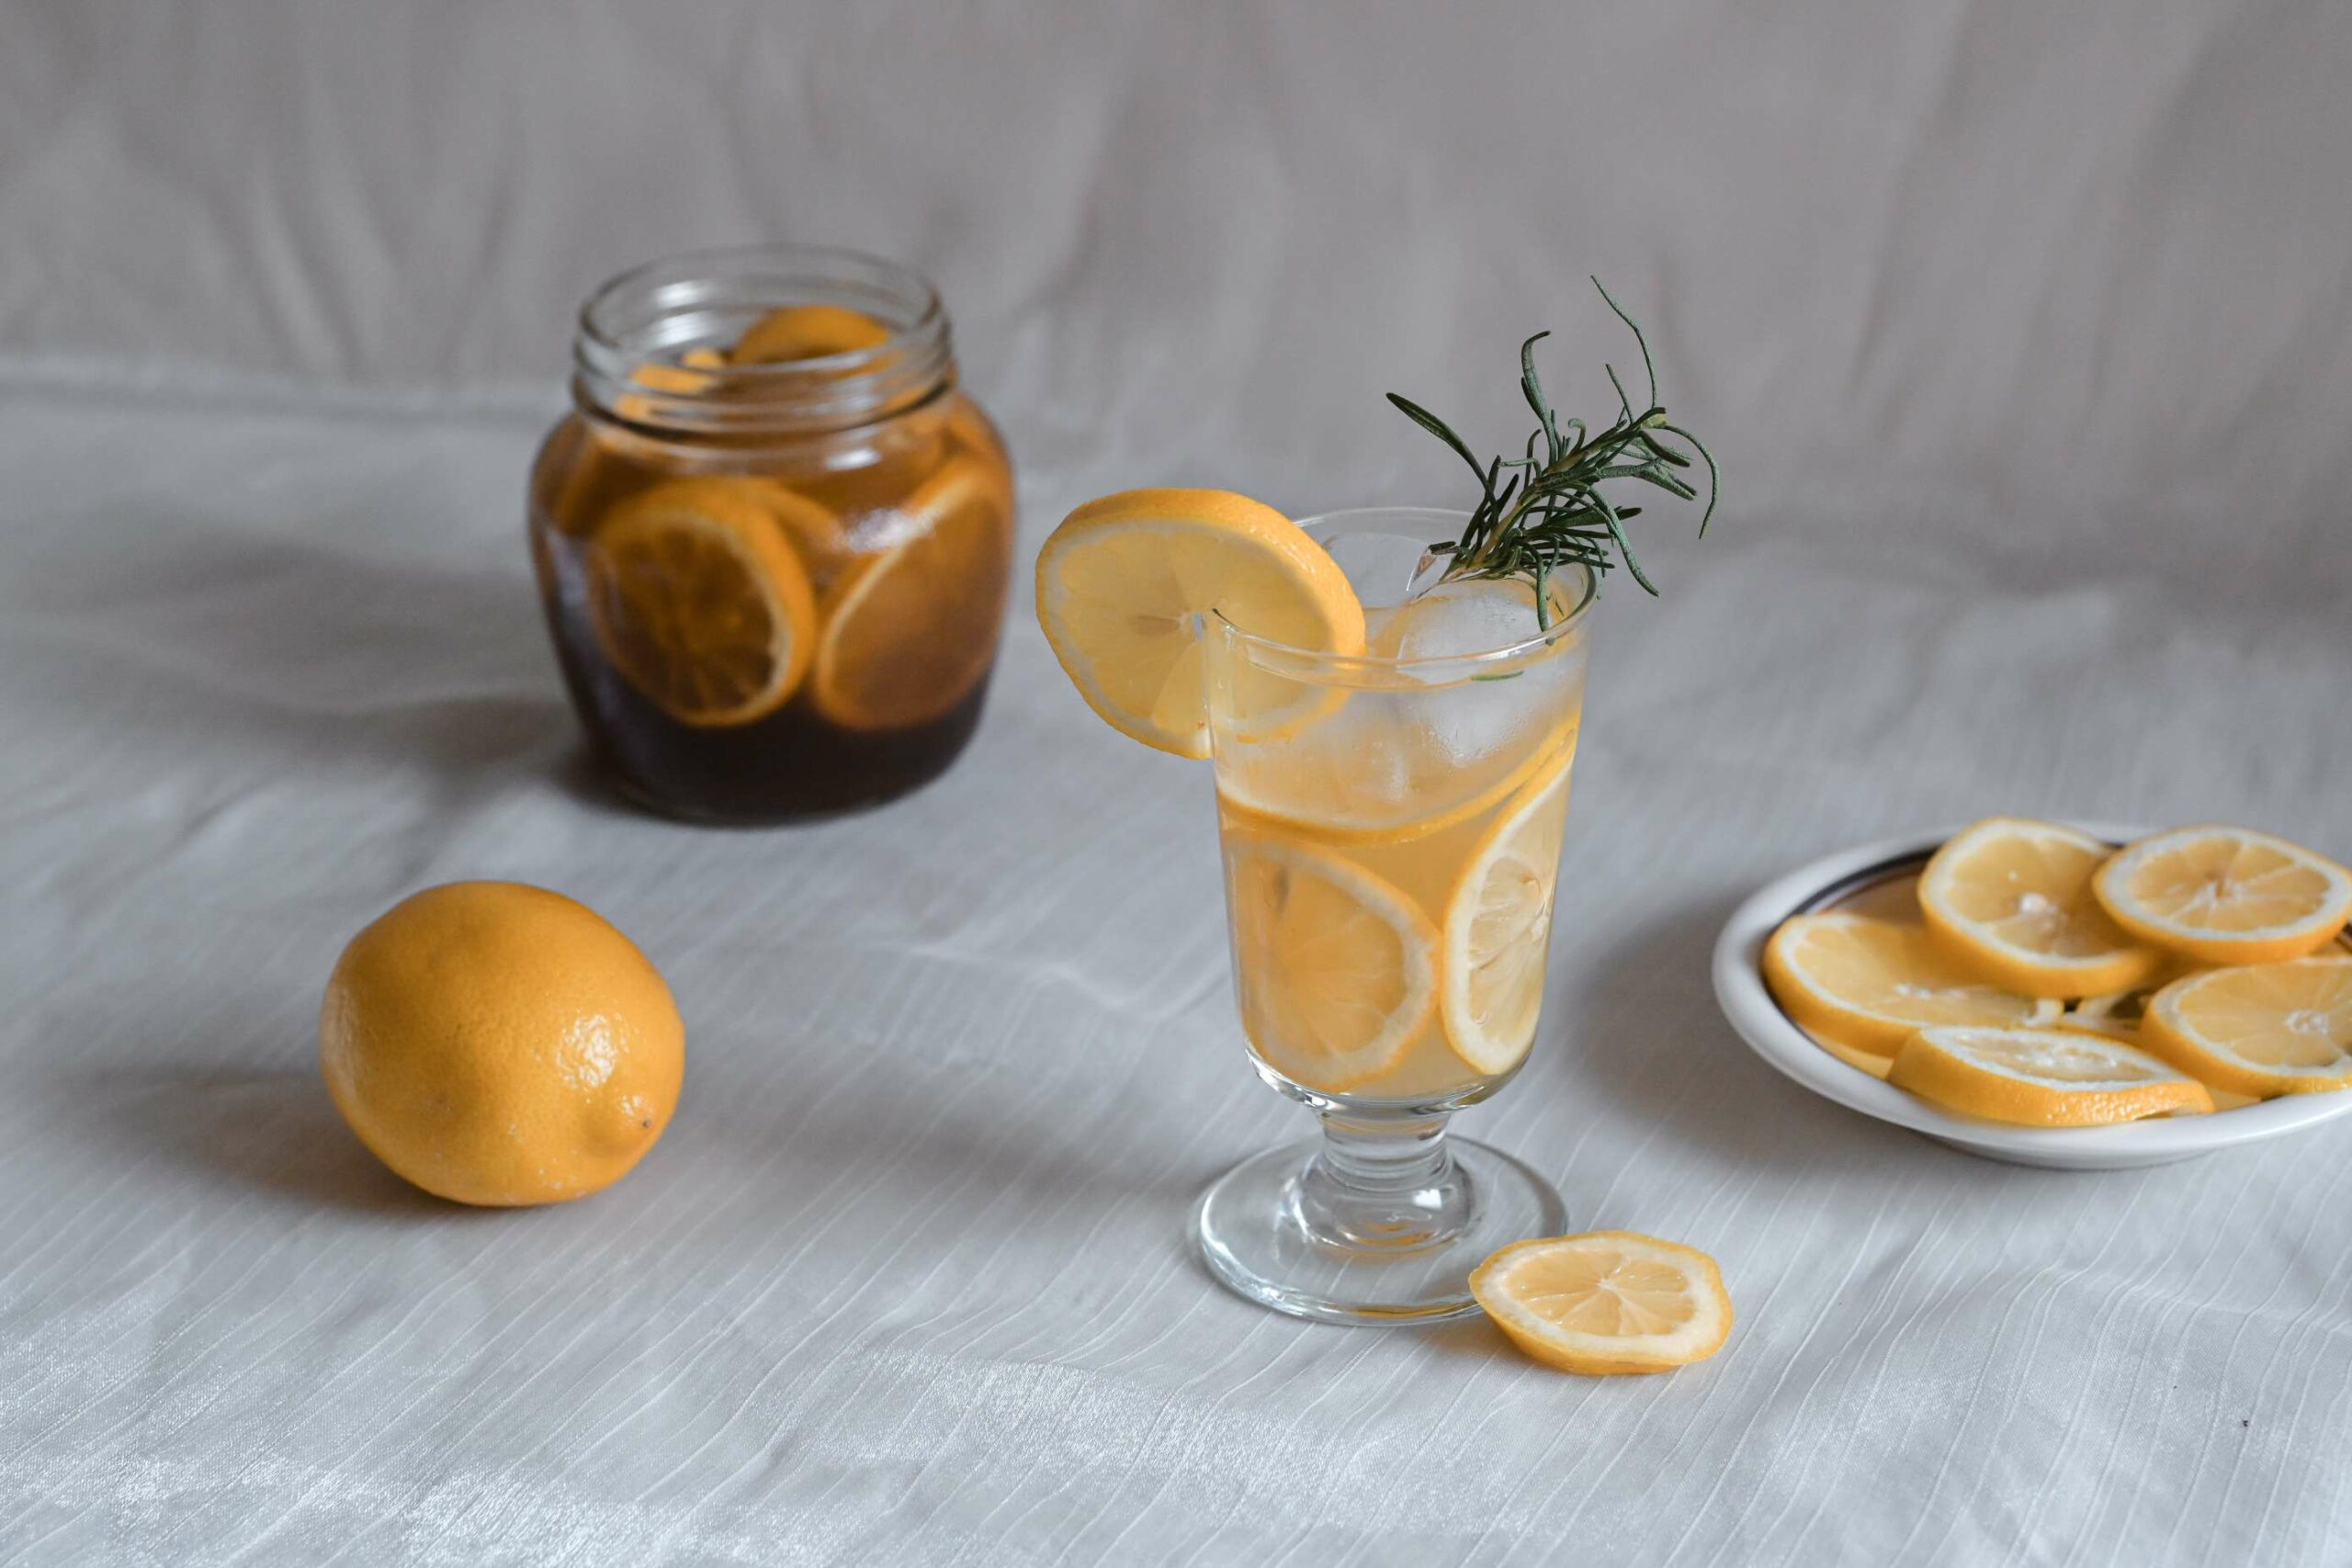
1306	1230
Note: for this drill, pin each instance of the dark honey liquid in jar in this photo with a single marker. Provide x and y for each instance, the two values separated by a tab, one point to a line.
774	539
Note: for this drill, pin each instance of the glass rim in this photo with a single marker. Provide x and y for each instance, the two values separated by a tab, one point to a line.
1326	659
618	328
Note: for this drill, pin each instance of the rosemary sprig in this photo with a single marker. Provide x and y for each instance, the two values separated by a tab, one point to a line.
1550	512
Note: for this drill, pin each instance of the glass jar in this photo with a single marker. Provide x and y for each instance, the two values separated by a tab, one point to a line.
774	537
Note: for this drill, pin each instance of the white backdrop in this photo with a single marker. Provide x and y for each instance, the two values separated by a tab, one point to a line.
2025	333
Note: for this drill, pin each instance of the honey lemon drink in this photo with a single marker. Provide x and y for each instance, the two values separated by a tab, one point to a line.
1392	762
1391	700
1392	834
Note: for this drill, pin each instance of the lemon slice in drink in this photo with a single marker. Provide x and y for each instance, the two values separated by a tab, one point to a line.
2041	1077
2012	897
1335	789
699	602
1606	1301
1498	927
1336	970
1124	579
2226	895
2267	1030
1868	983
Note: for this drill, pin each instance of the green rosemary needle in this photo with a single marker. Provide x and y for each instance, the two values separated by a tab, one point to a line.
1550	512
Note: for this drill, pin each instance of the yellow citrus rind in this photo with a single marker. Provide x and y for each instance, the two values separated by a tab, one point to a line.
2225	895
909	633
2012	899
1336	969
2260	1030
806	331
1606	1303
1498	927
1126	582
698	602
2042	1078
1868	983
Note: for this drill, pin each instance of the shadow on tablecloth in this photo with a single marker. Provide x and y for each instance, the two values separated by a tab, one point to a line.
274	1133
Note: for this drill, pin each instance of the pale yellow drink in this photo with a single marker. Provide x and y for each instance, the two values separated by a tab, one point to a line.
1392	835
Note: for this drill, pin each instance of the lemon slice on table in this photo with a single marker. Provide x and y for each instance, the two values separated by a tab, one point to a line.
911	633
2012	897
1499	927
806	331
699	602
2042	1078
1124	579
1606	1301
2226	895
2268	1030
1867	984
1336	970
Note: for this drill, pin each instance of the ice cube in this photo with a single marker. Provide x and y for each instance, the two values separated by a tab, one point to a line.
1466	720
1468	616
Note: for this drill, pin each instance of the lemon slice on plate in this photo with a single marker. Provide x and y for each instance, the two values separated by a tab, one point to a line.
1868	983
2012	897
1123	582
2041	1077
911	633
2268	1030
698	600
2226	895
1336	970
1606	1301
1499	927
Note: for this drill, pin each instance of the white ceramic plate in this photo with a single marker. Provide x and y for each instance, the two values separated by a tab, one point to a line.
1739	987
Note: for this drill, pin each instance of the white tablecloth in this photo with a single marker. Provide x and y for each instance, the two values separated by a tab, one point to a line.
2025	333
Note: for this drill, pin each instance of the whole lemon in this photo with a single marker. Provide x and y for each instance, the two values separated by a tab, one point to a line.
500	1045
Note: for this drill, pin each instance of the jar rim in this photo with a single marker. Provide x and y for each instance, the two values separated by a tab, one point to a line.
651	313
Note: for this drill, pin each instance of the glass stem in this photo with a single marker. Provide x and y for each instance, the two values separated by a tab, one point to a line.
1383	1182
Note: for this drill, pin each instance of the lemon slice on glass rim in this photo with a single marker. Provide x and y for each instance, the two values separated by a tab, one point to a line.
1125	581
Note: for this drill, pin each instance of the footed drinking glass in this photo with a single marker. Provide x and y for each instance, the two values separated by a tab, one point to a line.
1391	824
